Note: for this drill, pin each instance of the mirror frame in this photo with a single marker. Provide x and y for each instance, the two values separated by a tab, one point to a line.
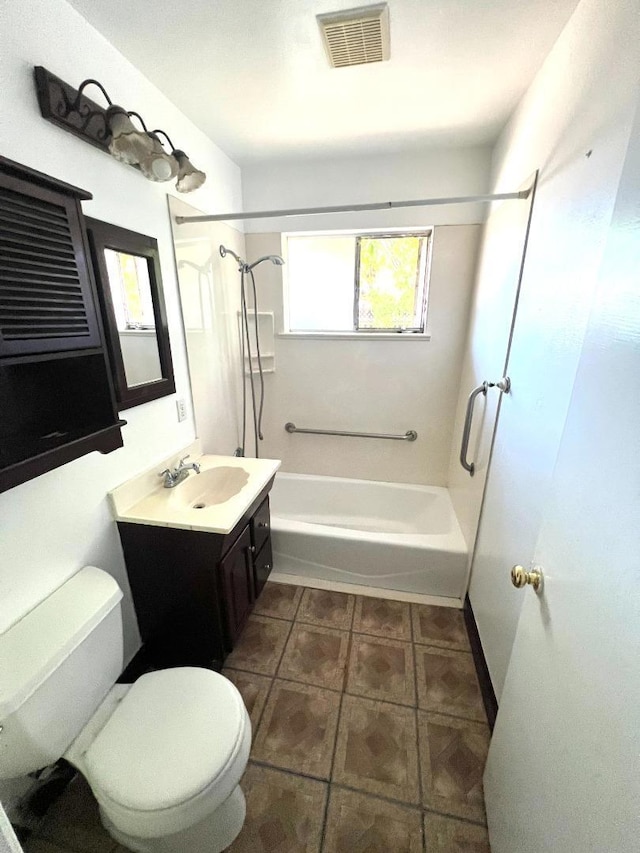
103	235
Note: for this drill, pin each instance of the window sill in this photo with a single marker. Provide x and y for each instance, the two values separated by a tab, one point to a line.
353	336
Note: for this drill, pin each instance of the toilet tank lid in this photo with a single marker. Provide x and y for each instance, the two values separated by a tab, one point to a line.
39	642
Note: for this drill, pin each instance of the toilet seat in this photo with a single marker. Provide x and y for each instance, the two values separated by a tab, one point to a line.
172	751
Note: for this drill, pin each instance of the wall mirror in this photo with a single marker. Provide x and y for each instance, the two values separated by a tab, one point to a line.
127	270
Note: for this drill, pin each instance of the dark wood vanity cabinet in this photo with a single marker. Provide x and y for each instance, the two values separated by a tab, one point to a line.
194	591
238	585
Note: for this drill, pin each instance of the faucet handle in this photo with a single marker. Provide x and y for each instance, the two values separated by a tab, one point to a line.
164	473
181	461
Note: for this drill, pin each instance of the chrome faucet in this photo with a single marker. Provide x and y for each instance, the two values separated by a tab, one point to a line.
179	473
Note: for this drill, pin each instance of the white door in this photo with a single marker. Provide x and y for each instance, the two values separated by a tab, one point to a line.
571	213
563	772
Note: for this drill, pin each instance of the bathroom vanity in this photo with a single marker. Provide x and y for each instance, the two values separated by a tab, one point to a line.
197	557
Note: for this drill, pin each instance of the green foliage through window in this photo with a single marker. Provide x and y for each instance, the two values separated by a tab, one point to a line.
390	272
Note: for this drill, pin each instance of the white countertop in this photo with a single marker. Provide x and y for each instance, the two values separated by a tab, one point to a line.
144	500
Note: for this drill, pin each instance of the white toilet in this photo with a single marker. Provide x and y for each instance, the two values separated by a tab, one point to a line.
163	756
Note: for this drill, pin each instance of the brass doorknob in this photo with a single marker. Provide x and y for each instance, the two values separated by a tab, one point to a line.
521	577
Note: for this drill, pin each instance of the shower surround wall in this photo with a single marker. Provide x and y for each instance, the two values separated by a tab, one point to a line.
210	301
370	385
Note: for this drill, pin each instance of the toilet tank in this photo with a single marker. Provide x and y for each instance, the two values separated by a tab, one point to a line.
57	664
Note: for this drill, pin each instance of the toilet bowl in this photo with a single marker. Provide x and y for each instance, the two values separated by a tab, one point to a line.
169	759
163	756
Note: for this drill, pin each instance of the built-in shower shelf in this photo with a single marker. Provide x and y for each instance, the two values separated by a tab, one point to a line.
266	336
268	364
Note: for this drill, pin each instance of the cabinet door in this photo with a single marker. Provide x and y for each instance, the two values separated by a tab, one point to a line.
261	525
236	570
46	295
263	564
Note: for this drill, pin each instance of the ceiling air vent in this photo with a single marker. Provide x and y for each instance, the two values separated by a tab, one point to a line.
356	36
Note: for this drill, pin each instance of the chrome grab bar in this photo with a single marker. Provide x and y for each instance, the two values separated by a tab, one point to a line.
410	435
505	386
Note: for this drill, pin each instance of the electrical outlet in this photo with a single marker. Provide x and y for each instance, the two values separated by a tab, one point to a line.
182	409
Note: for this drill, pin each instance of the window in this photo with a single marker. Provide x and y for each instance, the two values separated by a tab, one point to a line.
369	282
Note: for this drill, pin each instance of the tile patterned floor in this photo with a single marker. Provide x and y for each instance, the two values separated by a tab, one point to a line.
374	733
369	733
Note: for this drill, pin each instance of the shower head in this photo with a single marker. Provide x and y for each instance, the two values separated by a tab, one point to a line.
275	259
243	266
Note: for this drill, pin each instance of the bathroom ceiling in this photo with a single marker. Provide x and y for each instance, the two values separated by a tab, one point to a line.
253	74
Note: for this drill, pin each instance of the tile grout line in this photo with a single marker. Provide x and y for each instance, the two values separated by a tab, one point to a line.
418	757
391	800
433	645
412	806
345	786
343	693
350	692
273	678
423	827
345	675
452	816
264	705
298	605
383	637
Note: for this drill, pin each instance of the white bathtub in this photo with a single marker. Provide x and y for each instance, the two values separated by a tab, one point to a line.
389	536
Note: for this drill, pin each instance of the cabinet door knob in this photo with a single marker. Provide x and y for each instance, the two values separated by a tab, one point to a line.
263	524
252	549
268	567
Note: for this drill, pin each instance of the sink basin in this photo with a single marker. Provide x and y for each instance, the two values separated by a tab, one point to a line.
210	487
213	501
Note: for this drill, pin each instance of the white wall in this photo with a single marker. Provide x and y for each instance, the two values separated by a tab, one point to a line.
574	125
365	385
53	525
390	385
432	173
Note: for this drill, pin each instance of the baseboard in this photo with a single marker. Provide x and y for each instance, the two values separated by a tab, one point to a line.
486	687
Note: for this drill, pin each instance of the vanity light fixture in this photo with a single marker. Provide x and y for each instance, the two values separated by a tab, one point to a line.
112	130
189	178
155	164
127	144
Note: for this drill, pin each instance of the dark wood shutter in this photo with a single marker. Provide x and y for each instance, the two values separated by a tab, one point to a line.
46	297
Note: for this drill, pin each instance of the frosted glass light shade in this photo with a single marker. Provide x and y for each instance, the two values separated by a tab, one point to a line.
127	144
189	178
157	165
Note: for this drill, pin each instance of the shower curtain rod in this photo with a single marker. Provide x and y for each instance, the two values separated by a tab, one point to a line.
349	208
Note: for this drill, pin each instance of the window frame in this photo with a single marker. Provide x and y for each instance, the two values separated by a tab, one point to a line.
423	270
356	333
